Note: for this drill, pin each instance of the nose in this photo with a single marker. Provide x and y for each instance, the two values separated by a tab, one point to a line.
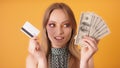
60	31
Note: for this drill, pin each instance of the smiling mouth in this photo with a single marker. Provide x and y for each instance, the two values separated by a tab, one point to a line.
59	38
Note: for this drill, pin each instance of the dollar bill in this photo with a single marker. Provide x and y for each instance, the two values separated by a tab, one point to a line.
91	25
84	27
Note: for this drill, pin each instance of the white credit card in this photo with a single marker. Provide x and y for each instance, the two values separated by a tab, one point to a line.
29	30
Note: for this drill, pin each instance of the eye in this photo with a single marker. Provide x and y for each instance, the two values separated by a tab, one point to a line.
52	25
67	25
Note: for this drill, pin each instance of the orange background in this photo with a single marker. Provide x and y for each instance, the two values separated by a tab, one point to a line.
14	44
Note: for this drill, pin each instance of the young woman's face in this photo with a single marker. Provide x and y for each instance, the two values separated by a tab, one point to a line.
59	28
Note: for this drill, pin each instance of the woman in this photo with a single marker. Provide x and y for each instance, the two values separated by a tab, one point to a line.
56	48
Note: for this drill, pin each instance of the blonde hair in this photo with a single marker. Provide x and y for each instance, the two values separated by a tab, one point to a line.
73	49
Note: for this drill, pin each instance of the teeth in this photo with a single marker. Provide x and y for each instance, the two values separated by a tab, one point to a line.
60	38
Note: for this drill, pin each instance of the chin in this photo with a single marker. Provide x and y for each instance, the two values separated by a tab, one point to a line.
58	45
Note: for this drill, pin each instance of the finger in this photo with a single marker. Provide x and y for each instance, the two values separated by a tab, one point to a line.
93	39
90	43
89	47
86	43
36	43
94	46
90	38
86	47
37	47
35	38
33	44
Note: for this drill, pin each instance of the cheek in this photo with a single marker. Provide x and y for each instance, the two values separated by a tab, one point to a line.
50	31
68	32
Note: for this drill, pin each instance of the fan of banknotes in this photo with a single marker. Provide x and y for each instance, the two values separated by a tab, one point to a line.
91	25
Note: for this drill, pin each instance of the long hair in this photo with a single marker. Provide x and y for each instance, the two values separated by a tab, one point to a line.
73	49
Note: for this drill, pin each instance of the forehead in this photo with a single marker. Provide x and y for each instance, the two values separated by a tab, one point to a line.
58	15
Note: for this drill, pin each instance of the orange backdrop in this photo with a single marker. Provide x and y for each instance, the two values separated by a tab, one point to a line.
13	43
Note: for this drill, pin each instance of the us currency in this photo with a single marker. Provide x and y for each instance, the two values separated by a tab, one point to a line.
102	32
91	25
84	27
101	29
94	22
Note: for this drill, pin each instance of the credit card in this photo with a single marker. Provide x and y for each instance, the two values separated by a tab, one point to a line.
29	29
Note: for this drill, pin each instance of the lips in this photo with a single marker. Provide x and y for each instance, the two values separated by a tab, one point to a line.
59	38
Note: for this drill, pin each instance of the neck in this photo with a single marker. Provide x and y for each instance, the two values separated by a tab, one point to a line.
58	46
59	51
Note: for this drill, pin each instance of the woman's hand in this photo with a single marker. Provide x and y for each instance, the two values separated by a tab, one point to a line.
36	50
88	50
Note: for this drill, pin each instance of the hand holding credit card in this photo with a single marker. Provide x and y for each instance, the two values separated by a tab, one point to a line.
29	30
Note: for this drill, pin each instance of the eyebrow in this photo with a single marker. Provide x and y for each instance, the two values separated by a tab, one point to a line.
62	22
66	21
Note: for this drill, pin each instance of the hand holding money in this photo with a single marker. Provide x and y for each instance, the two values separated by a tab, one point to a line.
91	25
